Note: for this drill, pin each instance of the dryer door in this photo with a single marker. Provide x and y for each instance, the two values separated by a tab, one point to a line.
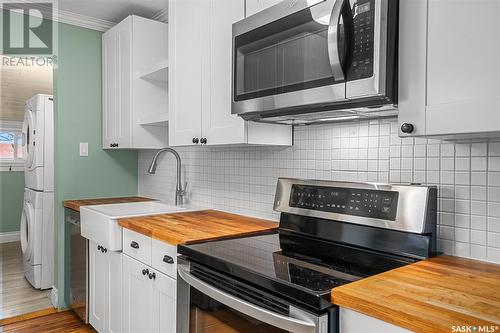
29	138
27	231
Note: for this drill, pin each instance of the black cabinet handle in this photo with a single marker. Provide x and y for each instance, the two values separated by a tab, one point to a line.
134	244
196	140
99	248
203	141
407	128
168	259
152	276
145	271
105	249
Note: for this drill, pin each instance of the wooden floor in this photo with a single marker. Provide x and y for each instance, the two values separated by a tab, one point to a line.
17	295
66	321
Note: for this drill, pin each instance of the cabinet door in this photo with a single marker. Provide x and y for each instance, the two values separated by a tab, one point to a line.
219	126
137	295
164	303
355	322
463	85
109	89
117	51
254	6
114	292
185	72
98	285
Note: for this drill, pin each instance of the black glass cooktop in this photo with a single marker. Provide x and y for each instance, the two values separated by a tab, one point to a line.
294	266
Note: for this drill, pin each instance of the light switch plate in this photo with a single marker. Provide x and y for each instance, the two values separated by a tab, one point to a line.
84	149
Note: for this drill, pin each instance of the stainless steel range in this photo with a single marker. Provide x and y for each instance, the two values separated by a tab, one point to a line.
330	233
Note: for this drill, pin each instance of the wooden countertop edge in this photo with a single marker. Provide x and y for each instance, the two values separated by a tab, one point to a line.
75	204
411	321
398	318
129	224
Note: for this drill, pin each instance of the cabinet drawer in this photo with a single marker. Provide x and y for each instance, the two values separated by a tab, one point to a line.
137	245
164	258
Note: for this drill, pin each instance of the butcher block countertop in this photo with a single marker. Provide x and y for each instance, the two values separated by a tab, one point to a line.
196	226
429	296
76	204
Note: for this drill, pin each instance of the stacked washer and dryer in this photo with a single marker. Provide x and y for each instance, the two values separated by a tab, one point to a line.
37	221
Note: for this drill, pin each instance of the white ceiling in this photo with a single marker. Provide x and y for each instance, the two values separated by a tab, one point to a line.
113	10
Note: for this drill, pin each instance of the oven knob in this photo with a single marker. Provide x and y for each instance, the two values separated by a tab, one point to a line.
407	128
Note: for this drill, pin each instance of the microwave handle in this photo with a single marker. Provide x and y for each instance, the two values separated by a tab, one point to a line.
333	46
275	319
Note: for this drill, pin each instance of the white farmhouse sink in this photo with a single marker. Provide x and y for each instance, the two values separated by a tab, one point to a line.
99	223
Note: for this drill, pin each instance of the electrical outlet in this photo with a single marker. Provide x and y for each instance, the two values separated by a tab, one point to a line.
84	149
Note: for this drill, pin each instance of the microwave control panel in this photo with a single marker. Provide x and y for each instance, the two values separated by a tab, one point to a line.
351	201
363	13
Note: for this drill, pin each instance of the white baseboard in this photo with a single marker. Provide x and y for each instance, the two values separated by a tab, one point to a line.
54	298
7	237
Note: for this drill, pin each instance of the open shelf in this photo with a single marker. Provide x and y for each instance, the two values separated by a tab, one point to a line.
155	120
157	72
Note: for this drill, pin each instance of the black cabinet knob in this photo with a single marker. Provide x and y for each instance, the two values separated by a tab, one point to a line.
111	145
152	276
99	247
196	140
203	141
145	271
168	259
104	250
407	128
134	245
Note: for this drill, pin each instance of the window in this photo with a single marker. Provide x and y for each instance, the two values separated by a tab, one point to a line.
11	150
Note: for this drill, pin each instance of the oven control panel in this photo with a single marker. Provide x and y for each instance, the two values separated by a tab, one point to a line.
351	201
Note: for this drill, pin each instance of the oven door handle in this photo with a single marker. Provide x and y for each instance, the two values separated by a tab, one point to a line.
280	321
333	38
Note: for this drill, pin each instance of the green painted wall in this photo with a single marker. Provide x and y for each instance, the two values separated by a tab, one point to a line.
11	200
77	83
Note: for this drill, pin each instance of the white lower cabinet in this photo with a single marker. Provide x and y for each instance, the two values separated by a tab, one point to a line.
105	303
355	322
149	298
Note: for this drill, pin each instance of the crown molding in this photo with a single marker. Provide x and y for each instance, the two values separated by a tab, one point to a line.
82	20
79	20
161	16
63	16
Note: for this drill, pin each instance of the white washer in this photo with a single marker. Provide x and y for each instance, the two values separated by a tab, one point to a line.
38	143
37	238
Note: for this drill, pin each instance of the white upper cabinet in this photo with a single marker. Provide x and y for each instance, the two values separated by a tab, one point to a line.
185	73
254	6
135	98
200	53
449	83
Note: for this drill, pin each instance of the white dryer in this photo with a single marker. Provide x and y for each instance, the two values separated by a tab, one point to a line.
37	238
38	143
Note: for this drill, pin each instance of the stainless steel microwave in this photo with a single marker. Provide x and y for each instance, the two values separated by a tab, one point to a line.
307	61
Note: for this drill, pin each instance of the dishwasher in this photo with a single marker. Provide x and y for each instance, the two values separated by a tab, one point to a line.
77	273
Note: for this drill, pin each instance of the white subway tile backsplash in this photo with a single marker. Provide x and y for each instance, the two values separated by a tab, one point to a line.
494	163
478	237
243	179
